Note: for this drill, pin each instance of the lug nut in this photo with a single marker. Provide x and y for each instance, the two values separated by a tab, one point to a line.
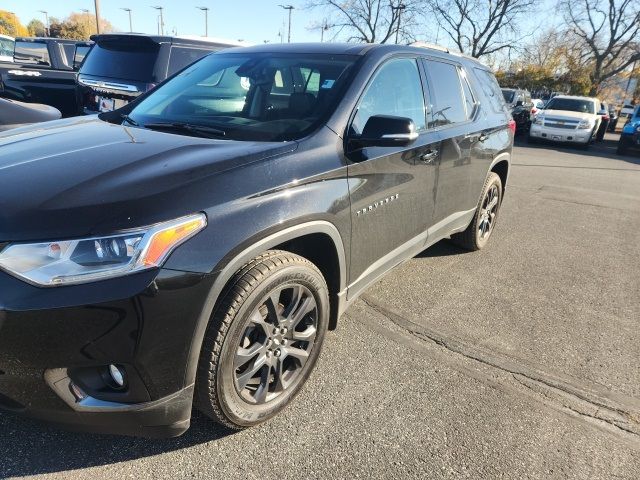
277	353
283	331
284	342
268	353
275	331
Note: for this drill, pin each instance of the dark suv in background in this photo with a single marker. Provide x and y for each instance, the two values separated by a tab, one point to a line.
193	247
123	66
519	101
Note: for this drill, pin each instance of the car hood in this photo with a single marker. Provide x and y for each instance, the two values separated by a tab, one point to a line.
82	176
567	114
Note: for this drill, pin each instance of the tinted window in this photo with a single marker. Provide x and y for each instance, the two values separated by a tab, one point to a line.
182	56
32	53
491	89
122	60
508	95
80	53
571	105
448	94
253	96
395	90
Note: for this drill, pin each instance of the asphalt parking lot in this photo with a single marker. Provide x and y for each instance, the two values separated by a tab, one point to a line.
520	361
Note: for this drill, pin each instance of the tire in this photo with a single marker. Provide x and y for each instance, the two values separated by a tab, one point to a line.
531	139
623	147
476	236
245	344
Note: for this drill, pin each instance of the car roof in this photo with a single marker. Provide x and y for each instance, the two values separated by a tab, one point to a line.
349	49
167	39
50	39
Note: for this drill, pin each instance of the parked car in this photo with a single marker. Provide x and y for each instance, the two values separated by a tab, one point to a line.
185	251
567	119
604	121
613	119
15	114
519	101
44	71
630	135
6	48
123	66
626	112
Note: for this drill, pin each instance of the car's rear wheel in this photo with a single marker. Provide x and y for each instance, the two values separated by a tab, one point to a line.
622	147
263	339
477	234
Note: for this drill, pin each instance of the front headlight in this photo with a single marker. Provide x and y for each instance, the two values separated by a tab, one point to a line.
539	119
586	124
67	262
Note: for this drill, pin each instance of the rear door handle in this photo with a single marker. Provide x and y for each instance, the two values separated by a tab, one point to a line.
429	157
483	136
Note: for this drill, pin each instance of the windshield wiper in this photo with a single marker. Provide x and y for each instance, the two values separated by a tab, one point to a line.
202	130
129	120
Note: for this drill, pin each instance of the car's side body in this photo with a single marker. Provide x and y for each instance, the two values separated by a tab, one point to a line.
521	106
630	135
355	213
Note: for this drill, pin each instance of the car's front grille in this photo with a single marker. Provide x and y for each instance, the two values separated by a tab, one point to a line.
561	123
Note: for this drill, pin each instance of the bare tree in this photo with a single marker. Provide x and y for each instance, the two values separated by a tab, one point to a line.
480	27
370	21
609	32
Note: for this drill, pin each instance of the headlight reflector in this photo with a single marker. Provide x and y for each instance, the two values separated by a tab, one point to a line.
539	119
585	124
85	260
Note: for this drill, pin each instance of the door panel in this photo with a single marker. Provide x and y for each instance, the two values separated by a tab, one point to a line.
392	189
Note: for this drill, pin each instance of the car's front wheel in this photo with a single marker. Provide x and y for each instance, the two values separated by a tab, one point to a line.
484	220
263	339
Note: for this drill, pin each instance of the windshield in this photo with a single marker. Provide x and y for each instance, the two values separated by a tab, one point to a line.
508	95
123	60
571	105
258	97
6	47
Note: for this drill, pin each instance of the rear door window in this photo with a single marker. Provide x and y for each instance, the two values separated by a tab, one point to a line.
33	53
447	90
469	97
122	60
491	90
180	57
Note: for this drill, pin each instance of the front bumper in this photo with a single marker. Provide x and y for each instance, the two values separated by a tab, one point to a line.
581	136
51	338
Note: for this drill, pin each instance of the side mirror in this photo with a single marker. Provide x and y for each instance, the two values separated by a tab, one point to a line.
387	131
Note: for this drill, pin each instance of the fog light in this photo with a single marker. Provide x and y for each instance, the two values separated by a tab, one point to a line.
117	375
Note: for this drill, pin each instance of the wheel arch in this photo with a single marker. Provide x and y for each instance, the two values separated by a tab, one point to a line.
501	166
309	239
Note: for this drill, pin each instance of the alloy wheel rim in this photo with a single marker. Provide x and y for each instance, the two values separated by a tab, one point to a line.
488	212
276	344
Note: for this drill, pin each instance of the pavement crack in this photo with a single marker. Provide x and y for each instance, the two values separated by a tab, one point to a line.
616	410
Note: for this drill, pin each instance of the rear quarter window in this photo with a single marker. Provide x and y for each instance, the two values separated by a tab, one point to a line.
491	90
33	53
181	57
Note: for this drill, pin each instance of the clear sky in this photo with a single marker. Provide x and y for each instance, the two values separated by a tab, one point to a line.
253	21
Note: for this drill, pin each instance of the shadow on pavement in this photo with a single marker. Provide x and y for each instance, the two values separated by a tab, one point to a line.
31	448
443	248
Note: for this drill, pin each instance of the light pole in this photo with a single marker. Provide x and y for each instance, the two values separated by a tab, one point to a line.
97	6
206	19
128	10
46	21
290	8
161	24
400	8
324	27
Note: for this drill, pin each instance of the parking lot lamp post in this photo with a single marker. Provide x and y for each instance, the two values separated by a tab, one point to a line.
128	10
161	24
290	8
46	22
206	19
97	7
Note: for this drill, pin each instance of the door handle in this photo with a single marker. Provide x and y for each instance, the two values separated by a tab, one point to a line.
483	136
429	157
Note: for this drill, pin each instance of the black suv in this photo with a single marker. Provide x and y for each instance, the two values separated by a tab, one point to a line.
519	101
194	247
122	66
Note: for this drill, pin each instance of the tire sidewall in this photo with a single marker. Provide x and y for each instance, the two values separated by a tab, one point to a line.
234	407
493	179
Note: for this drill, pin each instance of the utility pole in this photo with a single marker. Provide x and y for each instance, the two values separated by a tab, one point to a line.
97	5
206	19
128	10
324	28
399	8
46	22
290	8
161	24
